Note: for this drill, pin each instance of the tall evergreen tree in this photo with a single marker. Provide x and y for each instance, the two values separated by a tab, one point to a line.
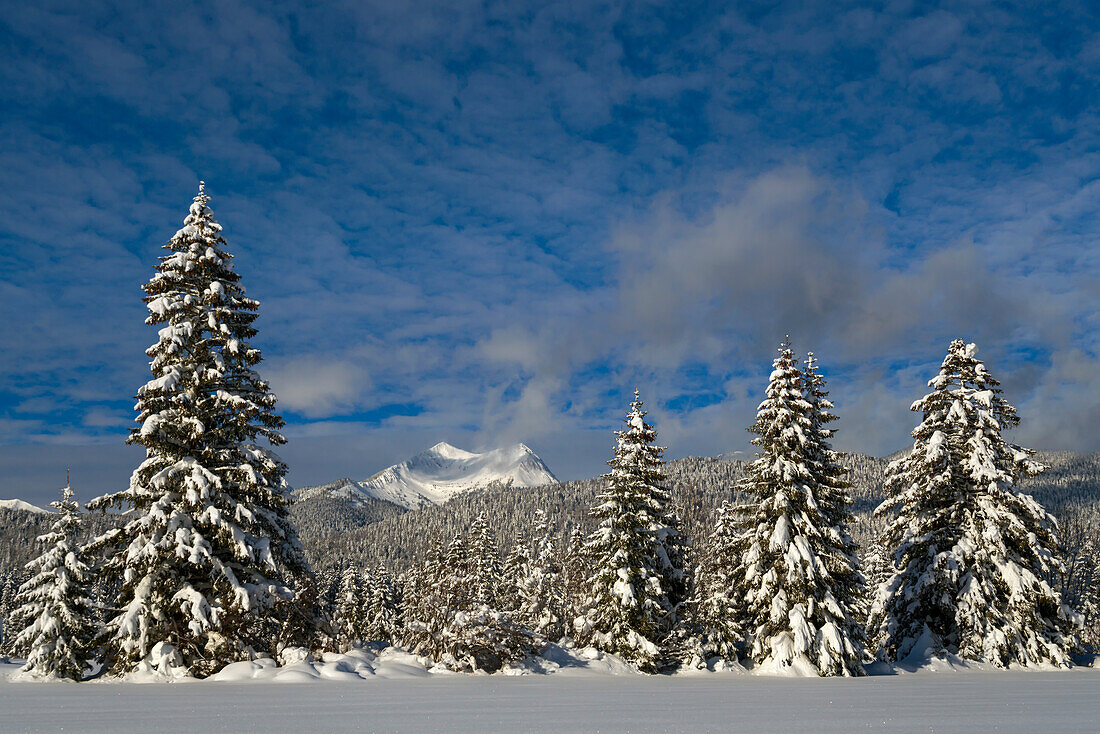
713	625
208	558
513	576
542	606
381	613
350	616
328	584
799	575
8	589
829	474
576	570
1078	580
878	570
847	583
423	613
636	553
972	553
485	564
52	618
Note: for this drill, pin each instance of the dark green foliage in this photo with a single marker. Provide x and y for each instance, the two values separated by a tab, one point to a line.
636	553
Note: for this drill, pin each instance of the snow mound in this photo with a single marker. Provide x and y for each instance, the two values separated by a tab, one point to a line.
394	663
441	473
366	663
798	667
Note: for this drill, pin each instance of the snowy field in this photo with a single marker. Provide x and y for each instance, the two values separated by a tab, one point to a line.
350	693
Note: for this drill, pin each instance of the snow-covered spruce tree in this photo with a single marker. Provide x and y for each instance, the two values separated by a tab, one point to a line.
540	588
839	549
516	566
712	628
576	570
209	559
434	592
878	571
420	594
399	584
799	576
328	585
971	552
485	564
302	620
1089	607
830	476
636	553
1078	580
349	620
102	591
52	622
381	613
8	590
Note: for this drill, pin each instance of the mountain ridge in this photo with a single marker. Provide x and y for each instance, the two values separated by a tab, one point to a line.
438	474
18	504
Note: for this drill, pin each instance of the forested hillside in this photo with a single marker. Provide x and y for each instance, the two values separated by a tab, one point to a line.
19	529
336	532
698	485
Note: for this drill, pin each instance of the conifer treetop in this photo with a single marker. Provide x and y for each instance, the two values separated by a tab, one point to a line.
635	451
68	520
818	396
782	424
972	554
965	403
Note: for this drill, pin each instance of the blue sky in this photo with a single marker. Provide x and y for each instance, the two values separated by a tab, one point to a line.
487	222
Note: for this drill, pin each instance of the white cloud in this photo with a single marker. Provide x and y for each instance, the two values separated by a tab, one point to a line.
315	387
785	252
1061	412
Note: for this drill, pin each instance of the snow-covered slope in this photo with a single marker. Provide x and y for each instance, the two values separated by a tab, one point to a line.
20	505
434	476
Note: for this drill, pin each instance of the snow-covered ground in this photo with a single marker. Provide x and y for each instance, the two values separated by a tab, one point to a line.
393	692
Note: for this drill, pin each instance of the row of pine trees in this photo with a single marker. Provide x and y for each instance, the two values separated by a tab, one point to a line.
778	581
206	568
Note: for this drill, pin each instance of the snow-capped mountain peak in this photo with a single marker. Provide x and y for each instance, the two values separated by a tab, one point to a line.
444	471
447	451
21	505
